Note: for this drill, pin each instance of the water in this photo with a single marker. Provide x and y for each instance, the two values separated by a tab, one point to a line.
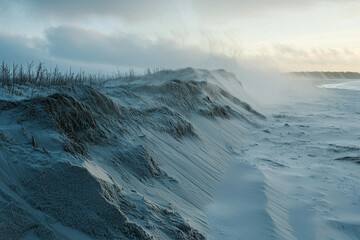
297	176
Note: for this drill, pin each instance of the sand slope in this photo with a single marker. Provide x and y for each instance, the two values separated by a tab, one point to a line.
130	159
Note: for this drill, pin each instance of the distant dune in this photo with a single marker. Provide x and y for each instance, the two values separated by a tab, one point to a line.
328	75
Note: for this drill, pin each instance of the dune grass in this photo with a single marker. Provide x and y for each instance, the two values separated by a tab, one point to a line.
37	75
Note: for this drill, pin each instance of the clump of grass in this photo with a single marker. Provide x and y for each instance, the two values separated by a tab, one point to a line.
37	76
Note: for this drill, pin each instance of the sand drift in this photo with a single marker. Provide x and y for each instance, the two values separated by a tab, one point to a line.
132	159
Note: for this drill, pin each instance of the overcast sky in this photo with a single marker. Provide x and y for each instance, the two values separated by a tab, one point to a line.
288	35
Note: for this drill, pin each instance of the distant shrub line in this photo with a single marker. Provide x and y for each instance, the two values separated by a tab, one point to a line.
36	76
328	75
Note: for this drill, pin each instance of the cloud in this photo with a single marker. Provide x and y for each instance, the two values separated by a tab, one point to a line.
4	5
77	47
92	50
172	33
150	11
134	10
225	10
74	43
240	8
287	50
19	49
294	58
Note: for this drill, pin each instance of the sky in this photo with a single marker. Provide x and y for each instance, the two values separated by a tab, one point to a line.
286	35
